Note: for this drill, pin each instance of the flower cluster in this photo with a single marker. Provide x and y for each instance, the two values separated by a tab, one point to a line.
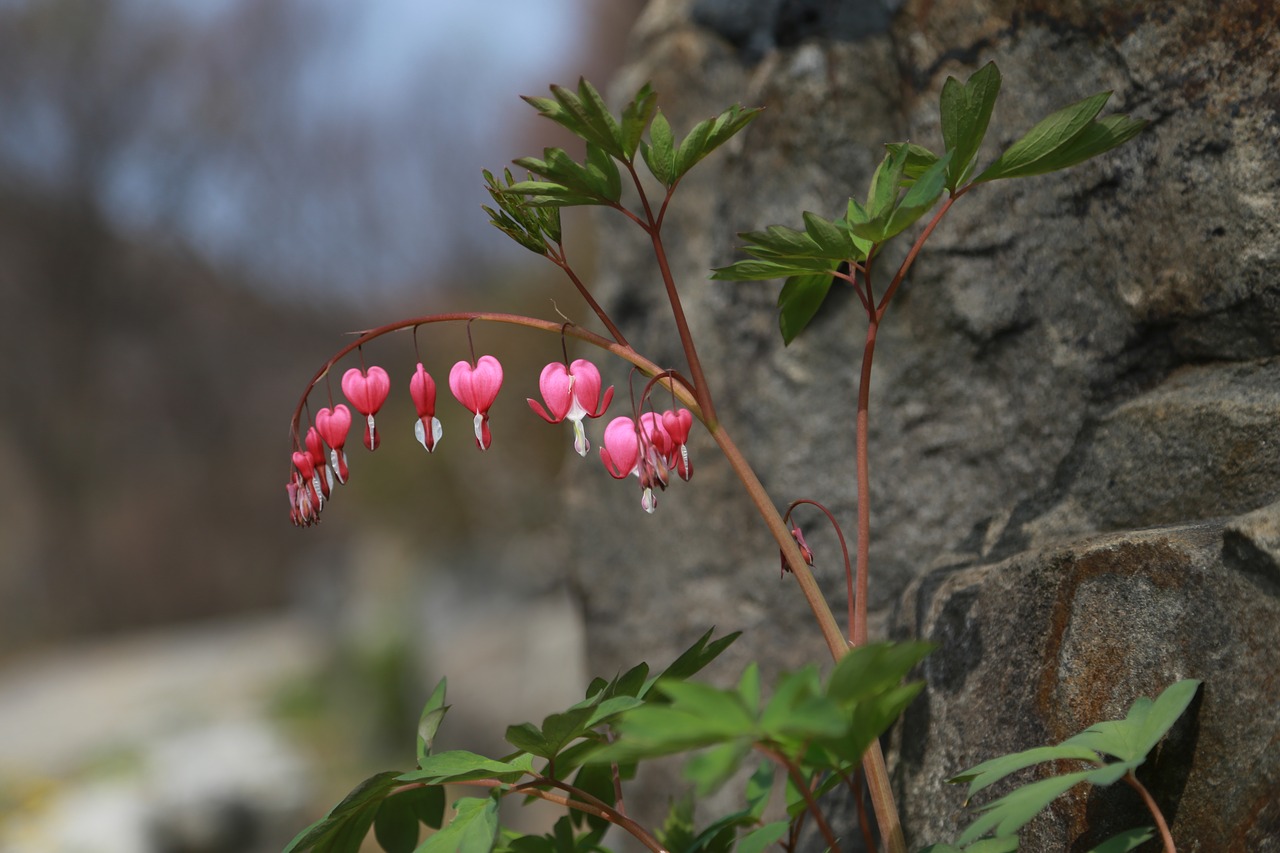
650	447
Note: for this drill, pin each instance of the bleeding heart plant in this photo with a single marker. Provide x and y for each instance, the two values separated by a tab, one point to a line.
818	732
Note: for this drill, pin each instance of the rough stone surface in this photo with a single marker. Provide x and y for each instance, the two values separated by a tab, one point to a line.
1038	647
1085	353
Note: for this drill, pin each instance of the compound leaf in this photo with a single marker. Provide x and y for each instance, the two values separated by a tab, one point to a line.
659	152
343	829
800	299
473	829
1033	153
966	112
459	765
1130	839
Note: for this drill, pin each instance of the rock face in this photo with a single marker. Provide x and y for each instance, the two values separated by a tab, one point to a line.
1075	417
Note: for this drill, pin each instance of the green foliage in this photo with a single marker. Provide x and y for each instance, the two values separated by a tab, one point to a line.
800	299
1126	741
1066	138
557	180
533	226
965	112
811	258
813	730
567	182
343	829
826	727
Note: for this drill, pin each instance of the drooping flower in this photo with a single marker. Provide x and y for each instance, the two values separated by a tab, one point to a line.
367	391
628	449
476	387
305	502
621	451
655	455
571	393
677	423
805	551
333	426
422	388
321	477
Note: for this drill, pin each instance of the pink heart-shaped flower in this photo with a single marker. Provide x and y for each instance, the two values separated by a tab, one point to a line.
476	387
366	391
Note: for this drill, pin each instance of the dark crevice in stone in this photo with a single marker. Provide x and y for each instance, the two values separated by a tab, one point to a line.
756	27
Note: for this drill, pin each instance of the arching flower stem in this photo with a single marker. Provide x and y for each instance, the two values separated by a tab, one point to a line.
623	351
844	551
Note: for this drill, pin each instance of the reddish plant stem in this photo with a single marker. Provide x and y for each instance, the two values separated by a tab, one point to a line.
859	636
585	803
653	227
873	762
1166	837
560	261
844	549
682	327
802	785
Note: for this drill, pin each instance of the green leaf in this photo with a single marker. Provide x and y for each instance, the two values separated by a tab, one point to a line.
1133	737
693	659
583	113
529	226
989	772
799	301
918	158
459	765
1130	839
833	241
427	803
966	112
1014	810
1032	154
872	718
698	715
999	844
923	195
635	118
659	153
526	737
569	182
708	135
1097	137
677	829
429	722
600	119
473	829
884	185
710	769
759	840
632	682
873	668
760	789
779	241
791	712
596	780
765	270
396	824
343	829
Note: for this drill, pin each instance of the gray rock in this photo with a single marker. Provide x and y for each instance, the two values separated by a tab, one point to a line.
1033	649
1076	354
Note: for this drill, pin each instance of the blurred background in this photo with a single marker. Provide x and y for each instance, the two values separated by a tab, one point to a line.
199	200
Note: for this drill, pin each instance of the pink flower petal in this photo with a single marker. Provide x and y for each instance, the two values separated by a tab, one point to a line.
422	388
366	391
